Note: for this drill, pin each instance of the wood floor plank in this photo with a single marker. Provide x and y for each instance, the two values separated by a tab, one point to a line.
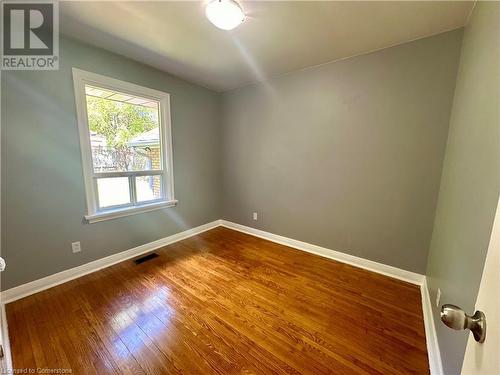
223	302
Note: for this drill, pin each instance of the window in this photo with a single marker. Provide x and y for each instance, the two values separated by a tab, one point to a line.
126	146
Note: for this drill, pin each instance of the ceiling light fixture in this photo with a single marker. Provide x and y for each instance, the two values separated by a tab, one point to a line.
224	14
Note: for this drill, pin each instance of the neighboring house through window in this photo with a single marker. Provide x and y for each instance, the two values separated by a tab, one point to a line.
126	146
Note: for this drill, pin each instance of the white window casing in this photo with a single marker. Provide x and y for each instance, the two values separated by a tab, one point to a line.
82	78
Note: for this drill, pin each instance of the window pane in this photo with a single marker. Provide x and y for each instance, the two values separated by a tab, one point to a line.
113	191
124	131
148	188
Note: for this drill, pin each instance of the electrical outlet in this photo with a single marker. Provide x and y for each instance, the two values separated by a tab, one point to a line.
76	247
438	297
255	216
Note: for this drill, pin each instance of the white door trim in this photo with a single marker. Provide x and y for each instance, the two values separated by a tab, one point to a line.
433	352
6	363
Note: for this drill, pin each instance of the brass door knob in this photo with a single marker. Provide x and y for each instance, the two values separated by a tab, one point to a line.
455	318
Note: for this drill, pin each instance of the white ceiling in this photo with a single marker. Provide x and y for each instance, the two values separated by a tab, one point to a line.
276	37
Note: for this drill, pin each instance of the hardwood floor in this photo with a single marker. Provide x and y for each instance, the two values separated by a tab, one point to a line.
228	303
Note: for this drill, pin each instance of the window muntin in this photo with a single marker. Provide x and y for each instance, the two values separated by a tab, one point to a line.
126	144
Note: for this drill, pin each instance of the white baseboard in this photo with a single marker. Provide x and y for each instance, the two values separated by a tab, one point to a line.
433	352
32	287
35	286
369	265
435	365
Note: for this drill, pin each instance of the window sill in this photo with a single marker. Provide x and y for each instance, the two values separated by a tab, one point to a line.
121	212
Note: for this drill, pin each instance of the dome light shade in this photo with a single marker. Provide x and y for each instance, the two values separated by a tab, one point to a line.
224	14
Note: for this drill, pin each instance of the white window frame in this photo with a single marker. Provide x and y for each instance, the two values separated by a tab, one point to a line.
82	78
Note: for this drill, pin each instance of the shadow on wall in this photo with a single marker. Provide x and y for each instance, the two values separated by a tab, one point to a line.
470	183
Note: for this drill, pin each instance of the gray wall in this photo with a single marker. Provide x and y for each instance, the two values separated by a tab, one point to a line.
43	200
471	179
346	155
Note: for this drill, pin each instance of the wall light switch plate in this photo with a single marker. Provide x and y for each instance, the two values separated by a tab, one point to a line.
255	216
76	247
438	297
